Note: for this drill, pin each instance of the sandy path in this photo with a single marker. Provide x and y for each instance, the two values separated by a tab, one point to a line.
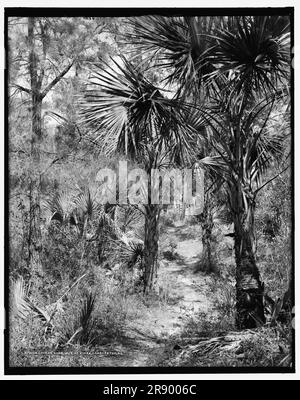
191	289
186	292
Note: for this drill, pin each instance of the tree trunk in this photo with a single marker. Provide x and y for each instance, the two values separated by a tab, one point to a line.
249	288
207	229
150	245
36	116
36	69
36	136
35	87
206	221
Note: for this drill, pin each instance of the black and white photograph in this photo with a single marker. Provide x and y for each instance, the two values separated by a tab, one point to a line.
149	190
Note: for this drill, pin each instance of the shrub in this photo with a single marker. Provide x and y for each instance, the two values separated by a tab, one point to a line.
96	311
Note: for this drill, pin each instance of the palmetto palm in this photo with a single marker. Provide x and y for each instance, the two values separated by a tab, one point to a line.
240	67
78	207
128	114
243	153
179	45
82	210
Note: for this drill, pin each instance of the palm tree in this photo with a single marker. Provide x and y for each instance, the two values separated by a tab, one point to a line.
242	164
215	212
184	54
128	114
236	69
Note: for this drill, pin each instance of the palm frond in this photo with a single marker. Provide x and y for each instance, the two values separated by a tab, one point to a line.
129	114
254	52
263	145
86	310
59	206
82	329
216	165
128	218
130	250
86	203
179	45
23	306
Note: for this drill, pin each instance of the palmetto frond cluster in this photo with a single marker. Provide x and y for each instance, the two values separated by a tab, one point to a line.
254	51
261	143
127	113
82	328
24	306
115	229
76	207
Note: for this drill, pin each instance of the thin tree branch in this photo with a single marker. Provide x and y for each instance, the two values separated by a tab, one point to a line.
23	89
44	45
71	287
50	165
136	206
56	80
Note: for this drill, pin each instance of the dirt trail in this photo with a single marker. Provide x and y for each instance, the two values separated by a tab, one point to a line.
183	293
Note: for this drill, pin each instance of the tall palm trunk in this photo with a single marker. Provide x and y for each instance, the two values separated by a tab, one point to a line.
150	245
207	258
207	229
249	288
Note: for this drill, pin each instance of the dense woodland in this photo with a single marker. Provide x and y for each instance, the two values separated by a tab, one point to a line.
152	284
